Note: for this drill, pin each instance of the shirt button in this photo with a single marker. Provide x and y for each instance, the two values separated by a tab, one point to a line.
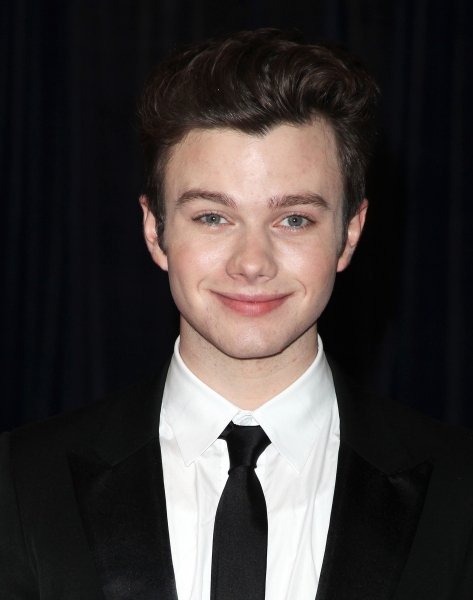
247	420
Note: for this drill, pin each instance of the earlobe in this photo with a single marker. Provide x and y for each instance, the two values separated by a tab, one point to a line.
355	229
151	235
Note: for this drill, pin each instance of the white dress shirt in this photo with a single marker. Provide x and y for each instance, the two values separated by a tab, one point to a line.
297	473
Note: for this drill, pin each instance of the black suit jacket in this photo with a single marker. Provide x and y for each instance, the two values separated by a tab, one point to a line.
83	509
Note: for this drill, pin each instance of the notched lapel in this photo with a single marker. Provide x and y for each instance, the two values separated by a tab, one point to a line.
373	522
123	509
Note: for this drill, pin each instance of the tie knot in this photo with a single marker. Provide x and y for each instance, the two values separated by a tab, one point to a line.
245	444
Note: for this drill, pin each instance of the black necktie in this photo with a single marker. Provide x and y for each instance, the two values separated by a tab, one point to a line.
240	540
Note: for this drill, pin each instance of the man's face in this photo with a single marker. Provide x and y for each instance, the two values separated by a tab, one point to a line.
253	235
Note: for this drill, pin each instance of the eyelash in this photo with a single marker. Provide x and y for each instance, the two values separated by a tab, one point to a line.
310	221
199	218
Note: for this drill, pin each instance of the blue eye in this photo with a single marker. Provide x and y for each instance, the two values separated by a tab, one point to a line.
213	219
295	221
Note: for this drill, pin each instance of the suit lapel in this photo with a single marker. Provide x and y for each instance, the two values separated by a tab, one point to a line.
373	522
120	494
379	495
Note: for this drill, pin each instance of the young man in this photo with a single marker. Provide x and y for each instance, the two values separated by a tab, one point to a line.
249	467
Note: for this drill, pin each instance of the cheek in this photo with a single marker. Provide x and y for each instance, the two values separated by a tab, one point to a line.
313	265
206	259
190	264
319	286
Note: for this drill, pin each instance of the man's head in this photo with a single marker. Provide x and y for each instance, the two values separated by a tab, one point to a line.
255	151
252	82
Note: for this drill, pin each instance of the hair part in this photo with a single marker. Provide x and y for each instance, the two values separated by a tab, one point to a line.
252	82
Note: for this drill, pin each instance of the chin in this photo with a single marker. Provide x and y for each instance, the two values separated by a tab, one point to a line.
250	346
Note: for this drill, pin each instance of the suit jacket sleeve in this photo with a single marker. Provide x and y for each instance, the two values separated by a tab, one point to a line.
17	578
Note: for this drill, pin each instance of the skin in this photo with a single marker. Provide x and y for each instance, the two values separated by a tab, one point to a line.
253	243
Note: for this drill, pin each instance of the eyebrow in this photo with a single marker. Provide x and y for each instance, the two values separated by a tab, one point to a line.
274	202
298	199
196	194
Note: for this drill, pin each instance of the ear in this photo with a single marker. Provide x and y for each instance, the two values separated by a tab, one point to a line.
151	235
355	227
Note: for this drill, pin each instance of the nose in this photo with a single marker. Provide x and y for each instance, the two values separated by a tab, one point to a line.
252	258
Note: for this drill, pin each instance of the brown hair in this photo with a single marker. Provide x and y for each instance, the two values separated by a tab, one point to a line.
253	81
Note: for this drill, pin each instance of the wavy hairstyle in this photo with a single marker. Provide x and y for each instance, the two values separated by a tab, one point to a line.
253	81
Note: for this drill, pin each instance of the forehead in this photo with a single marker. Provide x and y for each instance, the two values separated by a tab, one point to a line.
286	160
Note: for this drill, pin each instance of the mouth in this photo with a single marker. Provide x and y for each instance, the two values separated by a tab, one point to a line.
252	305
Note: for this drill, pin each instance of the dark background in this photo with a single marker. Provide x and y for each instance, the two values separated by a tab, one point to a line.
84	309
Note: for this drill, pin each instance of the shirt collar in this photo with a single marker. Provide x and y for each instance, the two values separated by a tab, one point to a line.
292	419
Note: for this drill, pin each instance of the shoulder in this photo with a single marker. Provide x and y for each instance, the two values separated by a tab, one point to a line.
34	459
75	430
417	422
423	436
383	429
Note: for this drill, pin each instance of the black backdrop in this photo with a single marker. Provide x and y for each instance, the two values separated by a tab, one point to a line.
85	311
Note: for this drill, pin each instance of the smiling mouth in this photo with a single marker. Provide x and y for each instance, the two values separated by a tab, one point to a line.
252	305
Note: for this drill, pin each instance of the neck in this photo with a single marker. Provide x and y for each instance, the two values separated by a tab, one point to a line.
247	383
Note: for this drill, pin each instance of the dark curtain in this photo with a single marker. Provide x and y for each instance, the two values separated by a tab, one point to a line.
85	311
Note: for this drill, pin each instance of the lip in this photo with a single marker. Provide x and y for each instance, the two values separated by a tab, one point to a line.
252	305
